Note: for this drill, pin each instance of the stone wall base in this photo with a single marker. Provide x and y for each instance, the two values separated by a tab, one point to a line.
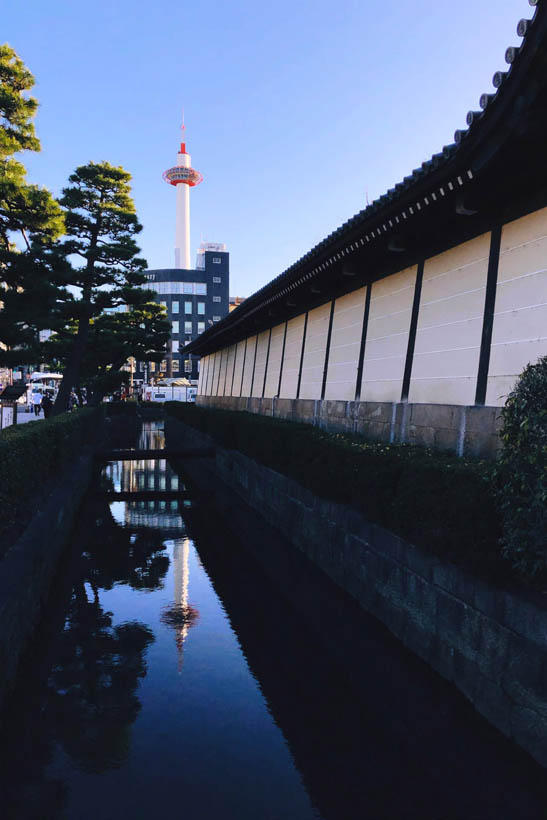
467	431
490	643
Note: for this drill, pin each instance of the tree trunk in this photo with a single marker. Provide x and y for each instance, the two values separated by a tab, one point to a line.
71	376
96	398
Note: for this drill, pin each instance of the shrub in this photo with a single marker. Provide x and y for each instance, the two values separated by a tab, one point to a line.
437	500
34	453
522	473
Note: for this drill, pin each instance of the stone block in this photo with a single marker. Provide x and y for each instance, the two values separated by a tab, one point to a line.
478	445
386	543
420	562
304	410
526	618
494	649
253	404
451	615
374	430
530	730
436	415
284	408
420	436
374	411
334	409
418	635
337	424
466	674
491	701
447	439
489	600
442	657
356	524
523	676
454	580
482	420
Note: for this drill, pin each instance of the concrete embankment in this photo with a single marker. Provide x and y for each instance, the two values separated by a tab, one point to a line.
29	567
491	643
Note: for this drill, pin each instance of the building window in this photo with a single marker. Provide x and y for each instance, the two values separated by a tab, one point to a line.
188	287
217	260
201	327
175	346
201	308
163	366
201	289
188	327
174	307
175	366
164	304
152	367
217	280
188	307
216	318
175	327
188	365
216	299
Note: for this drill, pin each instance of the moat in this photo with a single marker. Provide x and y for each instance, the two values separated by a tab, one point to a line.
171	675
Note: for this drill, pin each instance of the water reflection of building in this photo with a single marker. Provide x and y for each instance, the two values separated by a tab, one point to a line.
149	475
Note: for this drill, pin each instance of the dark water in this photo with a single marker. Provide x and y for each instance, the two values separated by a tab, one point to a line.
174	676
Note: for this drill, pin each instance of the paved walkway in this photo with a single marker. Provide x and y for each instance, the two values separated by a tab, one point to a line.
23	416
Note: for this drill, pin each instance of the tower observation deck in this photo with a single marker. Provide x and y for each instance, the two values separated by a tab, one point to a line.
183	177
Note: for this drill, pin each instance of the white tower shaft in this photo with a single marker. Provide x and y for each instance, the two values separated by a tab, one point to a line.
182	227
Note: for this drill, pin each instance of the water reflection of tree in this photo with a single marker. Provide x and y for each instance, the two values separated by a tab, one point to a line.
91	690
86	699
114	554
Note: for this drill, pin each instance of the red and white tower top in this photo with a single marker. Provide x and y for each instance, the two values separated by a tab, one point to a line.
183	177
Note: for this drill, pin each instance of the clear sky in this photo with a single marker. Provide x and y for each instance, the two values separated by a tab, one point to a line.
294	110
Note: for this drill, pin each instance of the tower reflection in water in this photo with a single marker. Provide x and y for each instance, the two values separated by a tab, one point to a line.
181	615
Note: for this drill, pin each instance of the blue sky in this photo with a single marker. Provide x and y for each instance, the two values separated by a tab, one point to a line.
294	110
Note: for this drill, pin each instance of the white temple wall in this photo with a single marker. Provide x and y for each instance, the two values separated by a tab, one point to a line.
260	364
448	337
291	360
347	328
387	336
314	352
519	334
274	361
449	332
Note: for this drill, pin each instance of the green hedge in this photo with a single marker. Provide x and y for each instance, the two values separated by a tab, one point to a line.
522	468
32	454
120	408
443	503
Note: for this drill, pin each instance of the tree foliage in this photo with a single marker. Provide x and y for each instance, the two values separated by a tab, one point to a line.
30	220
101	224
522	472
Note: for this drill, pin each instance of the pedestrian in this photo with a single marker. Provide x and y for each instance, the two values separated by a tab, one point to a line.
36	402
47	404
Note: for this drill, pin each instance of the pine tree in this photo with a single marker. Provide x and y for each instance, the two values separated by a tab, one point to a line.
101	224
30	220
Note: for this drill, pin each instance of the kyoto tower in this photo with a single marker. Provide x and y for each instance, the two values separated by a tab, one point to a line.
183	177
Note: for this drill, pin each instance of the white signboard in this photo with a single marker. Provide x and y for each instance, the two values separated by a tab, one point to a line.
6	416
